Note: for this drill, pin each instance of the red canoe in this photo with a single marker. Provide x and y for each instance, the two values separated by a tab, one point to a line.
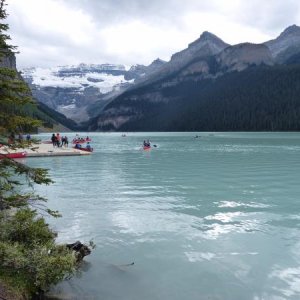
85	149
146	147
14	155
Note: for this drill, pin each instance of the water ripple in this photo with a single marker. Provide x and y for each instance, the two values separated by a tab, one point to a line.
211	218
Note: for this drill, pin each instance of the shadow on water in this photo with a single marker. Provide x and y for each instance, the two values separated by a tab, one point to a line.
70	290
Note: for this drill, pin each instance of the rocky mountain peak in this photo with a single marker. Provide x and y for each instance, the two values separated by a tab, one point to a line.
286	44
137	67
291	30
157	62
206	44
138	72
208	38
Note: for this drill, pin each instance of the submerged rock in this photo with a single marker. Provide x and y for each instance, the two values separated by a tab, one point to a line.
81	250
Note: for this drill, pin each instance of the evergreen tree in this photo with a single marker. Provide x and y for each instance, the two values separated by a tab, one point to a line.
14	93
30	261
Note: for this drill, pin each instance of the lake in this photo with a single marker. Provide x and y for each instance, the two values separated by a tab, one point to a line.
213	217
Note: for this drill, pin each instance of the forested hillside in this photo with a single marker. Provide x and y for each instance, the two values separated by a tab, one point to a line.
214	86
259	98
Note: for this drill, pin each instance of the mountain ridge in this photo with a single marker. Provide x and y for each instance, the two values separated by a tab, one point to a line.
201	66
156	87
286	44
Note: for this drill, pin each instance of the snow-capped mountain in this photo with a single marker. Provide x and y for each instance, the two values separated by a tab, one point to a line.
82	91
79	77
71	90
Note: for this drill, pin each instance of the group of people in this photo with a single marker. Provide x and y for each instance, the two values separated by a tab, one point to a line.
58	141
79	146
79	140
20	139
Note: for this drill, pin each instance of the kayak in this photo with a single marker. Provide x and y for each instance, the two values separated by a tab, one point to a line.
85	149
14	155
146	147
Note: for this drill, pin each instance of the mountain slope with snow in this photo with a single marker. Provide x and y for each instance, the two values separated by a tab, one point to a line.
82	91
58	77
72	89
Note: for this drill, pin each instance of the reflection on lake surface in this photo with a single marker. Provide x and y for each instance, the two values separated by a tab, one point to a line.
217	217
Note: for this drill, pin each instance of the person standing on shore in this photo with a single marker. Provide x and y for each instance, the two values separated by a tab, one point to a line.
53	140
58	139
66	141
20	138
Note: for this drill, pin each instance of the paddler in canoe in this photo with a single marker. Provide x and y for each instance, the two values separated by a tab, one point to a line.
146	145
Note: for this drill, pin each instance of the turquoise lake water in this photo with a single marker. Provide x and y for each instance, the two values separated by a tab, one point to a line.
214	217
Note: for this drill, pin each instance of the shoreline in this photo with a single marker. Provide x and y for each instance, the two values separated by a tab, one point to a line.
45	150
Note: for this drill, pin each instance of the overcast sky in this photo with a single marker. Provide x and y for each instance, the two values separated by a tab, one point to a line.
60	32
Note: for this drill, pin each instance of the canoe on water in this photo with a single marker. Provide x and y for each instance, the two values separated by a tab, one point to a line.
85	149
146	147
14	155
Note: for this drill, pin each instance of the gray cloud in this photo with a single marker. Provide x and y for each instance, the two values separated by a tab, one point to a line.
271	16
107	11
136	31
